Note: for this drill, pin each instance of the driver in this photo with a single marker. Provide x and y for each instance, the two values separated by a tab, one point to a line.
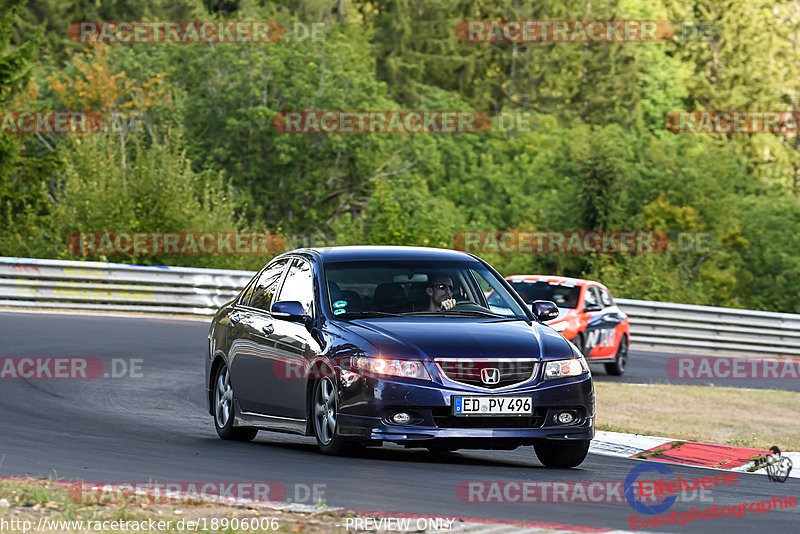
440	293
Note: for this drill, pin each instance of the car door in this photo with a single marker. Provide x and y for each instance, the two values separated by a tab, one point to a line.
600	334
253	344
594	333
294	346
612	317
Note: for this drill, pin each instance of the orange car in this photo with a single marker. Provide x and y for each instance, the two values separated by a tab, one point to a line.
588	316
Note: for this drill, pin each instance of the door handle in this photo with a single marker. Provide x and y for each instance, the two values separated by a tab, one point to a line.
268	329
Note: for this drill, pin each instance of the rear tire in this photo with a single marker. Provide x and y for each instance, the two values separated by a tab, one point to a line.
325	414
561	454
223	409
617	367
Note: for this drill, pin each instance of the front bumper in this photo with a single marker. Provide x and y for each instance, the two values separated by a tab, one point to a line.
367	404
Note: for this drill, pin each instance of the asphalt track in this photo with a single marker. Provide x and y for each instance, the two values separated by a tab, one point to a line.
154	427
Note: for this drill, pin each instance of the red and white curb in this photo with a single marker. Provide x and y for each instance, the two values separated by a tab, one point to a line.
689	453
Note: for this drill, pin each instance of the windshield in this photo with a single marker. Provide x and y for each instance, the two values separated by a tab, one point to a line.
564	294
403	287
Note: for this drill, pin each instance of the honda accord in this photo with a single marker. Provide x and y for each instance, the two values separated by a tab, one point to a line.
358	346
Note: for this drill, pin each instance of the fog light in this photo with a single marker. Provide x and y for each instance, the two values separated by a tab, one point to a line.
564	418
401	418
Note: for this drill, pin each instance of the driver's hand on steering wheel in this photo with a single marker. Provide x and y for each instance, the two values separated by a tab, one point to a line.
448	303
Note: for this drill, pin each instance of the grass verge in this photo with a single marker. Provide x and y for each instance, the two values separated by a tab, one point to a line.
741	417
24	503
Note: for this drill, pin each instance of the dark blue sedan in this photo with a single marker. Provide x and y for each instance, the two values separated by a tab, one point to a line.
358	346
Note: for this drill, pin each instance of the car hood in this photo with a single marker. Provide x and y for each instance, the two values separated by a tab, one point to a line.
434	337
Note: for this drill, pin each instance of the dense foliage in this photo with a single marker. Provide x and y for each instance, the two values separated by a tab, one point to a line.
189	143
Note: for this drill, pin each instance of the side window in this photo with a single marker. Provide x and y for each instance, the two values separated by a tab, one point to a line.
591	299
266	285
247	294
299	285
605	297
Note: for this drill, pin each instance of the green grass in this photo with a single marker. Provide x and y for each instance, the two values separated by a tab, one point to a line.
741	417
30	499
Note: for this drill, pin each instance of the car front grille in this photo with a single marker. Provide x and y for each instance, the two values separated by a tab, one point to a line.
443	418
488	373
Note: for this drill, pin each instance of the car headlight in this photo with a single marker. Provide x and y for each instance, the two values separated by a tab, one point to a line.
388	367
565	368
560	326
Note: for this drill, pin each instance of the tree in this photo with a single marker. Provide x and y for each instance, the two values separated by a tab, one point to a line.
18	189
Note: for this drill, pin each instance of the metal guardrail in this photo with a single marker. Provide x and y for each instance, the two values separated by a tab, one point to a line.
668	326
93	285
89	285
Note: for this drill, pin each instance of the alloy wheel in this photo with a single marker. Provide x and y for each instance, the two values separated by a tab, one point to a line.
223	398
325	409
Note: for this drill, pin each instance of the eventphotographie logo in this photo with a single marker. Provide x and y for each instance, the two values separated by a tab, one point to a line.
631	483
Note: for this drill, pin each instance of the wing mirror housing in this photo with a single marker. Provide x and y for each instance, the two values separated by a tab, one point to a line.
291	310
544	310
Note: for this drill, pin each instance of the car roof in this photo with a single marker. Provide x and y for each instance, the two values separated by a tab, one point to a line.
361	253
551	278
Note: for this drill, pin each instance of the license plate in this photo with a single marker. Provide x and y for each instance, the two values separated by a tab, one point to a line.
488	405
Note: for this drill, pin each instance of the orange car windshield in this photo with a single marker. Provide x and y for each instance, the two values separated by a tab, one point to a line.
564	295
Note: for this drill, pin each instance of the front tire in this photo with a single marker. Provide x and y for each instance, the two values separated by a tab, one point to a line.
325	412
617	367
562	454
223	409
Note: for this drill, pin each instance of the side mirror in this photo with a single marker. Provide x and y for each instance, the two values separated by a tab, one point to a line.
290	310
544	310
